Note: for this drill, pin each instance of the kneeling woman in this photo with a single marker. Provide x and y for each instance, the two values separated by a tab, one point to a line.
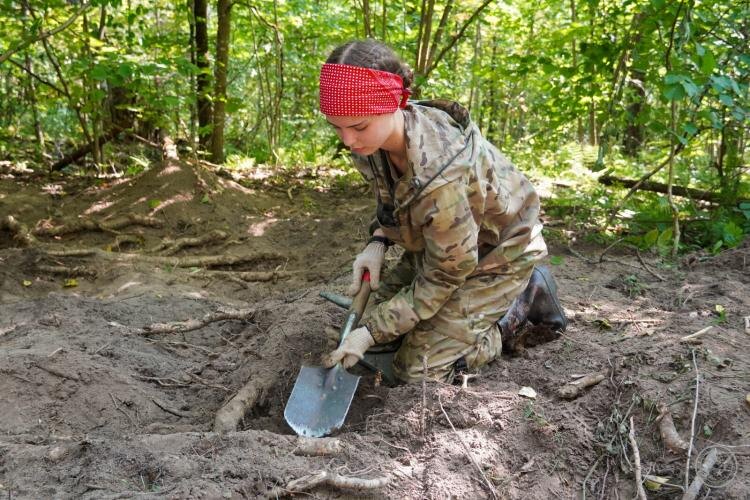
465	216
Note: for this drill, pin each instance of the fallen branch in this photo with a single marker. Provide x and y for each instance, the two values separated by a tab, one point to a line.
18	231
317	447
572	390
636	462
658	187
695	487
229	416
329	479
195	324
668	431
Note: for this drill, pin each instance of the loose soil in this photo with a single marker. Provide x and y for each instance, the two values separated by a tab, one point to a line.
94	406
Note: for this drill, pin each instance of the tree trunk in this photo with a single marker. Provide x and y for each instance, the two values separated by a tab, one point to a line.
574	54
203	80
634	135
224	8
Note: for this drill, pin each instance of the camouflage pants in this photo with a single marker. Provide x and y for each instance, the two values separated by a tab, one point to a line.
465	327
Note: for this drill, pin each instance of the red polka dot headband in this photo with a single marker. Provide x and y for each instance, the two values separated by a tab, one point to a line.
355	91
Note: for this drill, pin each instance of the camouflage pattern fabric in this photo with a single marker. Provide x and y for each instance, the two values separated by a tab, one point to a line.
468	220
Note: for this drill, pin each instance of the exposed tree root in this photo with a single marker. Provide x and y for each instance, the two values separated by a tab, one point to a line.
229	416
317	447
193	261
195	324
251	276
703	473
67	271
574	389
18	230
669	435
170	247
329	479
92	225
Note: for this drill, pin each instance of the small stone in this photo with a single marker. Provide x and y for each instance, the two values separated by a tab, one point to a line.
527	392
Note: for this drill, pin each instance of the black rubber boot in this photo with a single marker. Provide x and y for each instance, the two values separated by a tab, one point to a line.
539	305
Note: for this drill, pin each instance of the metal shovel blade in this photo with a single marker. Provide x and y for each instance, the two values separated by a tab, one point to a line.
320	400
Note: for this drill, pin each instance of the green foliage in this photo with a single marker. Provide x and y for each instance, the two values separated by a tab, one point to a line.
612	89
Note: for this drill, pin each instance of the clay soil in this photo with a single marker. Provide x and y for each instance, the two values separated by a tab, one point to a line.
94	404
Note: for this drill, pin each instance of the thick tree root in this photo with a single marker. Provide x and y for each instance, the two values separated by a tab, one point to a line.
230	415
93	225
193	261
669	435
170	247
18	230
329	479
574	389
195	324
317	447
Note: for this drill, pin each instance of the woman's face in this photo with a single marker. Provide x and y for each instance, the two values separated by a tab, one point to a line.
364	135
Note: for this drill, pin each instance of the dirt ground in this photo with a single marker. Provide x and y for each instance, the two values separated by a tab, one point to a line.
95	404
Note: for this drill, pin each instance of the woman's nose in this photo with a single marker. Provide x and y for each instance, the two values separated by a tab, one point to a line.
347	137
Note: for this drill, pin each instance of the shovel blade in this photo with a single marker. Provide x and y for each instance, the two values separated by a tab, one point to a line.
320	400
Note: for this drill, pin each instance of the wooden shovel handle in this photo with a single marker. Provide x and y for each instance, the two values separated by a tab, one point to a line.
360	300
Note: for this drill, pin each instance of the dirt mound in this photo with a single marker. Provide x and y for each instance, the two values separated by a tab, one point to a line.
99	404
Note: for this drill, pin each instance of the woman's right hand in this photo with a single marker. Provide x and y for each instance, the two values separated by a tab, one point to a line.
370	259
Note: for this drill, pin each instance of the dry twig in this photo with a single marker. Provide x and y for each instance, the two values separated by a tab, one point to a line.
487	483
692	424
636	461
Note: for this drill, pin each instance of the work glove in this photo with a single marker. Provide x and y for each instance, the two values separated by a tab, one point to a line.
351	350
370	259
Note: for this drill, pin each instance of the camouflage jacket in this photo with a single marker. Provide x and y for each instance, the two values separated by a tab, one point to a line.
461	206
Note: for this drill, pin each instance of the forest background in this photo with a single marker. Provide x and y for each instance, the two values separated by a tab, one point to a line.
588	97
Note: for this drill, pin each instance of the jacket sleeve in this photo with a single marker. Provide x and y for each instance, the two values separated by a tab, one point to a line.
450	234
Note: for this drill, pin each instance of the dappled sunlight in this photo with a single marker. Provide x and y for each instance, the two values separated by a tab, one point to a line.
98	207
172	168
53	189
179	198
259	228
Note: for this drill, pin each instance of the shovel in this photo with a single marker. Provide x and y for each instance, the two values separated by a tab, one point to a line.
321	396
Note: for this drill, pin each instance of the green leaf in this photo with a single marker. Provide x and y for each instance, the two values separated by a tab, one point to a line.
673	78
99	72
665	238
152	204
674	92
649	239
690	87
690	128
708	63
726	100
556	260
